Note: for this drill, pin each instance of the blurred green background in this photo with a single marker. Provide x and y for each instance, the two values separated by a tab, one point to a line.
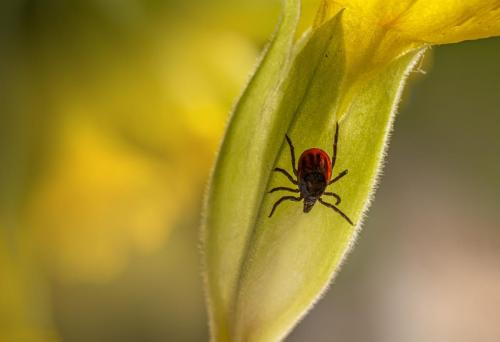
110	116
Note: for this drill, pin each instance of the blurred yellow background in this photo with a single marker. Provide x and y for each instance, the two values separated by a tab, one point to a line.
110	116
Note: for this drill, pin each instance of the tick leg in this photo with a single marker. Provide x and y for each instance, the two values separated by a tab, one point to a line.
335	141
337	210
284	189
337	197
342	174
292	152
284	198
285	172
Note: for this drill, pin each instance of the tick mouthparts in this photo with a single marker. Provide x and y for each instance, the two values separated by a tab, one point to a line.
308	205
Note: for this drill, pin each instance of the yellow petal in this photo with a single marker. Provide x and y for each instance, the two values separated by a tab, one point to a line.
377	32
430	21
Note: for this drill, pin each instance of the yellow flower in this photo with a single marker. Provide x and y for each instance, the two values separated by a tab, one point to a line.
377	32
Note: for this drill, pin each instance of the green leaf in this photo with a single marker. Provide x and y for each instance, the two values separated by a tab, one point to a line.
236	189
263	274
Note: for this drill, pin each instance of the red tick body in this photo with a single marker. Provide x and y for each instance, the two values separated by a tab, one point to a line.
314	173
315	160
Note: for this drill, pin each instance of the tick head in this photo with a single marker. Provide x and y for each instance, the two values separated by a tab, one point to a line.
309	203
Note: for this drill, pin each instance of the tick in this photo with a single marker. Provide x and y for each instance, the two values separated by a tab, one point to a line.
312	176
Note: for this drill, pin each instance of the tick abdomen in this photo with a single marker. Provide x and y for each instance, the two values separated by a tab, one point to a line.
315	160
